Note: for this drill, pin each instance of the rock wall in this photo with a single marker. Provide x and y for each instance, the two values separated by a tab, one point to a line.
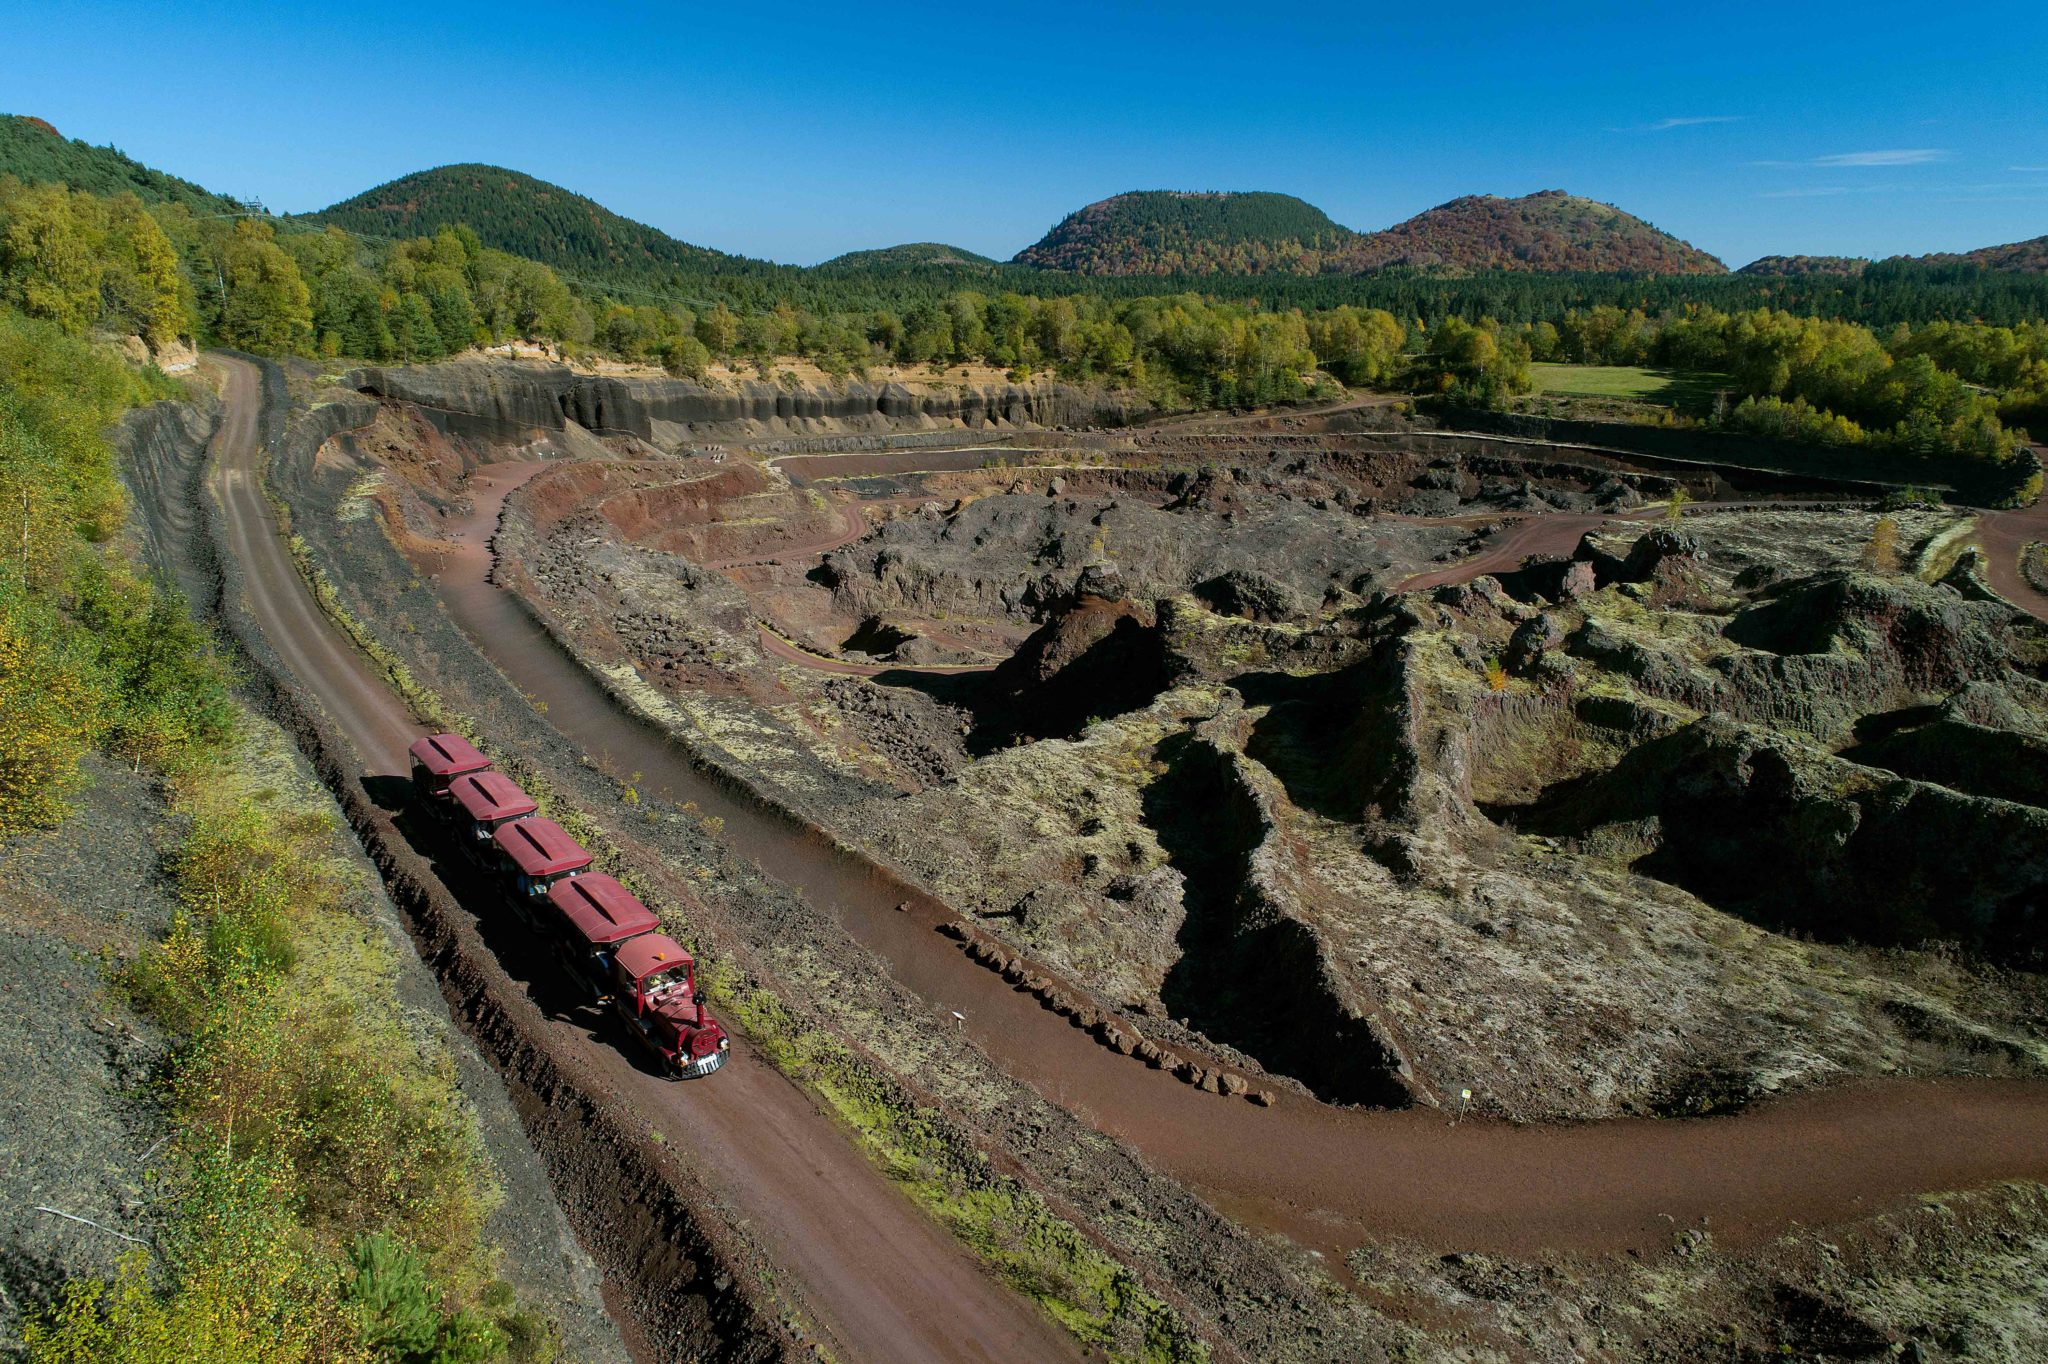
501	400
1255	972
1795	838
162	450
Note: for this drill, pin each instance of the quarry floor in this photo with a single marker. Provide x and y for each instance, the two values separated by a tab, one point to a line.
1327	1178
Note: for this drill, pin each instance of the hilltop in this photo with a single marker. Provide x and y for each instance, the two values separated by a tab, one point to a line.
2027	257
1164	233
1549	231
1168	232
1805	265
34	152
528	217
908	256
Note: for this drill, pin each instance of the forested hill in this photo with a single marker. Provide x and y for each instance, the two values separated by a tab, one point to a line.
2027	257
2024	258
909	256
1167	232
1550	232
1789	266
35	153
513	212
1164	233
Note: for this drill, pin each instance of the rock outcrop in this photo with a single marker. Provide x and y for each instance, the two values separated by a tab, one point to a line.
1792	837
497	400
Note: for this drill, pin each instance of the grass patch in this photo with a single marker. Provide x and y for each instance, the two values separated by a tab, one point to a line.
1680	389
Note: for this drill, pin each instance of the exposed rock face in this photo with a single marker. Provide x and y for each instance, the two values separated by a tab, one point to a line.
1983	740
498	400
1254	595
1257	804
1817	654
1260	553
1794	837
1340	820
1254	970
1097	657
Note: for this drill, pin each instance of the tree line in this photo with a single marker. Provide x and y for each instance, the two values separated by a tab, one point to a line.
90	263
1947	390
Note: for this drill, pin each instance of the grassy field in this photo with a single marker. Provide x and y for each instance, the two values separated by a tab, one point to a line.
1632	383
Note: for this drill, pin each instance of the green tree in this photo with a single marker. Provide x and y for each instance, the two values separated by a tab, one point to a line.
51	259
267	307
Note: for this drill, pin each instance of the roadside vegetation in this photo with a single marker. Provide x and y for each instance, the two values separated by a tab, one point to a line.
92	655
1008	1226
326	1190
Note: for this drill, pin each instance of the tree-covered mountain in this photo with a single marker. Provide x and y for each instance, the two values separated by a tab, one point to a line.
1785	267
908	256
1550	232
2027	257
514	212
1169	232
35	153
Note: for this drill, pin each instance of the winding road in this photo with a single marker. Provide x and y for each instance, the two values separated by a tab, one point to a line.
1327	1177
2004	536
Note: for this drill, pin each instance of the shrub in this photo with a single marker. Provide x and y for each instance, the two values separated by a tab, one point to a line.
399	1309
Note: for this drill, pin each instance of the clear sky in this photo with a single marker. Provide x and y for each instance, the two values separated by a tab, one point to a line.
796	131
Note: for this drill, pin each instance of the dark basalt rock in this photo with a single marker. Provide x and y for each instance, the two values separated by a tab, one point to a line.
1650	552
500	401
1793	837
1253	595
1532	639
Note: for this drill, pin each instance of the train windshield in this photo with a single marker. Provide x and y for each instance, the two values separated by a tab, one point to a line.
675	980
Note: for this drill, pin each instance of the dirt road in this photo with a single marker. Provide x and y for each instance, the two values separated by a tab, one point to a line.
867	1265
1327	1177
2003	536
1548	533
853	525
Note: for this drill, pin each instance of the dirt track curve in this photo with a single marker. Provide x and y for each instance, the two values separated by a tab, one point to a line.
1328	1177
2004	536
1325	1176
870	1267
2001	535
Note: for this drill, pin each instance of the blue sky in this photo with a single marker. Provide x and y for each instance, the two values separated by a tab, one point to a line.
795	132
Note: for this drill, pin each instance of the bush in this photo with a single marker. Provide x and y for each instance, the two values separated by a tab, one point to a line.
89	653
399	1309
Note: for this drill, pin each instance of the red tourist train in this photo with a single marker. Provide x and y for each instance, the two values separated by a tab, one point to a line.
607	939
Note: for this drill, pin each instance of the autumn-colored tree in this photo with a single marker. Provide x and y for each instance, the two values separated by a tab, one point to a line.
1881	554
